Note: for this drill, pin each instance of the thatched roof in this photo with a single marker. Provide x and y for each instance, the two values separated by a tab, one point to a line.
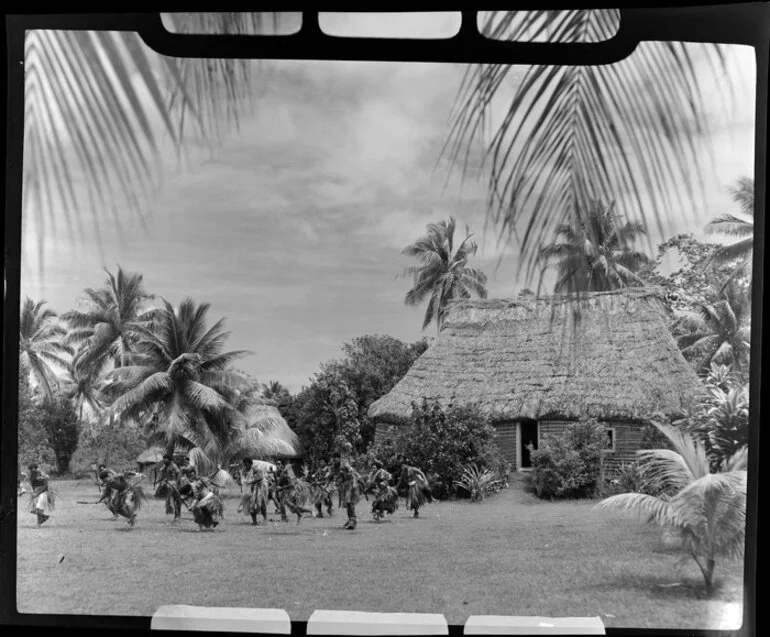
153	454
604	354
276	438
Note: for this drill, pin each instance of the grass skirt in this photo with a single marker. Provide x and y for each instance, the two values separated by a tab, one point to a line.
130	502
208	510
349	493
385	501
416	496
255	500
44	500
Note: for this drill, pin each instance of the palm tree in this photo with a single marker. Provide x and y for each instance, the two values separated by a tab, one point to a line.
91	102
83	387
575	133
595	252
40	344
720	332
707	510
443	274
107	330
274	391
741	227
180	373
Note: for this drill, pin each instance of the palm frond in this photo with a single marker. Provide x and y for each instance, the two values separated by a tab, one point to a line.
572	133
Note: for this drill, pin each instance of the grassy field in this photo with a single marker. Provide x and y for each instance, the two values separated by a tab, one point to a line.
511	555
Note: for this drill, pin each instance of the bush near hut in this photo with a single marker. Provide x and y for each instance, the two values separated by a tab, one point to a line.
570	465
441	443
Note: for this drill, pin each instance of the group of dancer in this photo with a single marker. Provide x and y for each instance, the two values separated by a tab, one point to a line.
313	493
310	494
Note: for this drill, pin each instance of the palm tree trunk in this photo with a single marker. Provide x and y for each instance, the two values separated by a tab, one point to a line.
708	573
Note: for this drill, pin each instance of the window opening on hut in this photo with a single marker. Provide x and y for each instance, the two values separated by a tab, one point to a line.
528	435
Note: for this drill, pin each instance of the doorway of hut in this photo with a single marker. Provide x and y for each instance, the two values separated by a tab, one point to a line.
528	435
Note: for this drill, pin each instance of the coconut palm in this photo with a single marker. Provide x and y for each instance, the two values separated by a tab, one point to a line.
83	387
274	390
179	375
443	273
707	510
99	103
596	252
255	431
741	227
720	332
40	344
572	133
107	330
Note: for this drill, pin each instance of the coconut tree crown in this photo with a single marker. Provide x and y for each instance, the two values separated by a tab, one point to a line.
443	273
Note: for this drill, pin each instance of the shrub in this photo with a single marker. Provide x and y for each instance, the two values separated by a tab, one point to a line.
478	483
570	465
631	478
441	442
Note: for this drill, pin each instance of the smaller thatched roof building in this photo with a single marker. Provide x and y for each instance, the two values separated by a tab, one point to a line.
548	361
276	439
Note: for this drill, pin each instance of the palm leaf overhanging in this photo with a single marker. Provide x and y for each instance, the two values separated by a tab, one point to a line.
100	104
443	273
706	510
625	131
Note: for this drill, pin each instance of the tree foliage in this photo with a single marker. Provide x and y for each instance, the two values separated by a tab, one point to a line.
334	406
569	464
441	442
443	274
595	252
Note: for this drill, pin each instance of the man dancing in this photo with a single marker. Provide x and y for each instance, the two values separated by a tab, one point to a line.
417	488
385	496
323	484
125	498
350	493
105	475
207	509
42	498
291	492
169	487
254	500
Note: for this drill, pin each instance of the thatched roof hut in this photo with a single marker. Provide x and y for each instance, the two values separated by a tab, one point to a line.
276	439
607	355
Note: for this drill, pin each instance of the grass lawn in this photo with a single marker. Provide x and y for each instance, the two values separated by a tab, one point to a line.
511	555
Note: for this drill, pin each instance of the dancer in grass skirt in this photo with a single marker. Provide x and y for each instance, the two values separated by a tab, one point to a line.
207	509
255	491
104	475
291	492
321	489
418	490
125	497
168	487
350	490
42	498
385	496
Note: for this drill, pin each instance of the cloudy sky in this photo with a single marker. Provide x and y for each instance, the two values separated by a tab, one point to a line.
293	228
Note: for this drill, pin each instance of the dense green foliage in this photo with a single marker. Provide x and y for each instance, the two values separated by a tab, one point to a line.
569	465
333	408
441	443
